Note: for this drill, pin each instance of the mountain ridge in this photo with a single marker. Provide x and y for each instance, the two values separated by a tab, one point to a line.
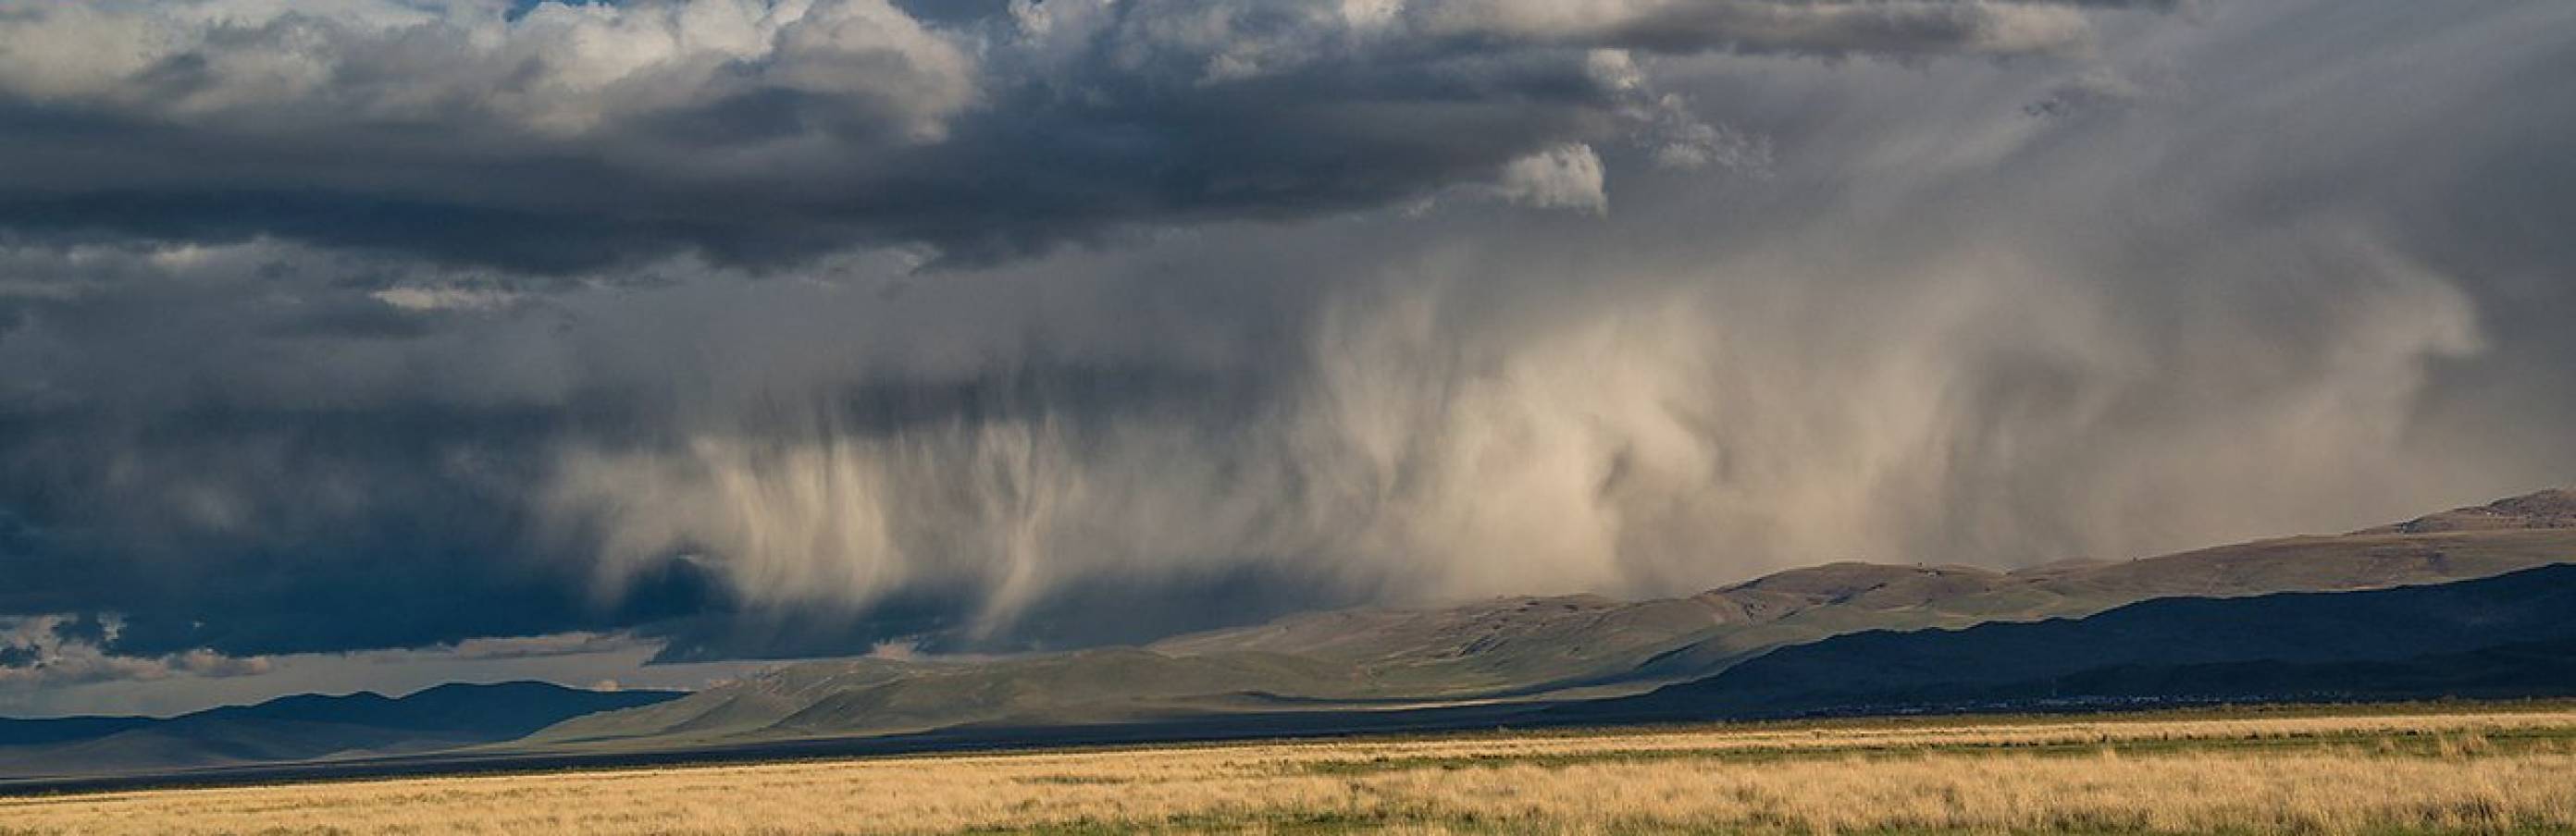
305	727
2408	641
1510	659
1679	638
1528	647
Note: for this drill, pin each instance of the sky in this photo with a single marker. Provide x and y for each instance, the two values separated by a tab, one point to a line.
368	344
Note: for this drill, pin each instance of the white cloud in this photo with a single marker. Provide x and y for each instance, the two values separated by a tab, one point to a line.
1564	177
55	650
559	70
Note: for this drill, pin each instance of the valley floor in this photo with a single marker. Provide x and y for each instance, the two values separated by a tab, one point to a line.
2391	769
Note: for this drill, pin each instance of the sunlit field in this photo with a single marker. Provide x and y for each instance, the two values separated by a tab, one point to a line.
2467	768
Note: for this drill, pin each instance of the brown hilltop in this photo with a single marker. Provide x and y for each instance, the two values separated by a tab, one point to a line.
2553	508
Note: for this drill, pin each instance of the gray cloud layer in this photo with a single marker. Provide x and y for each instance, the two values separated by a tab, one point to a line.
368	326
566	137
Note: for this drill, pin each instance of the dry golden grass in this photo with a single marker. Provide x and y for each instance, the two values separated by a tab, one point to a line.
2460	771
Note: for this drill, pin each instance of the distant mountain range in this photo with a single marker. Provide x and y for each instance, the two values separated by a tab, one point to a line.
2463	602
303	727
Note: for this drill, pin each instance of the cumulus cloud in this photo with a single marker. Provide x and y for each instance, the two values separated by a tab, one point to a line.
61	649
1563	177
555	71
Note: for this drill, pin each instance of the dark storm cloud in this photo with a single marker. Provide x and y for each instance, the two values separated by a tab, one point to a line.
1935	328
264	449
293	530
368	326
286	460
552	138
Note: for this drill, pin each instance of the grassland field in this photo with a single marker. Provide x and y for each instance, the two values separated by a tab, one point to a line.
2425	768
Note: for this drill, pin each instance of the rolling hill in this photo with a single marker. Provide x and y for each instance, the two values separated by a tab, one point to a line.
1530	645
2510	635
303	727
878	696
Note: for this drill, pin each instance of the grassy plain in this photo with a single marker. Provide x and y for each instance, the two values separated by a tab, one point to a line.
2406	769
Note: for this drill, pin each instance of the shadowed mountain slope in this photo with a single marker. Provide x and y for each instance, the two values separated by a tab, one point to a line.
2295	564
2510	635
1523	645
15	732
